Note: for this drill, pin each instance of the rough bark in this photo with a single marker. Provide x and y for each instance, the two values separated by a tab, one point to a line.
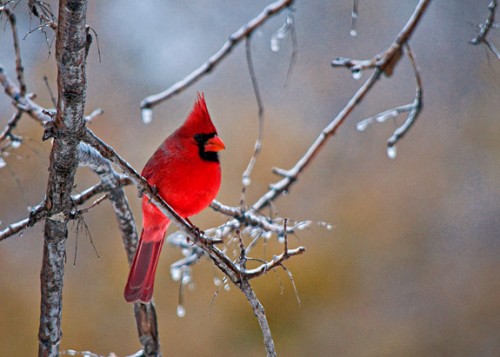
66	131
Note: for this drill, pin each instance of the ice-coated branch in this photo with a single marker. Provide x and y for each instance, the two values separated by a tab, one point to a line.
385	62
250	219
413	109
485	28
243	32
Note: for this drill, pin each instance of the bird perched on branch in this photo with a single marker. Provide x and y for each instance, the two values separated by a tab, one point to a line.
185	170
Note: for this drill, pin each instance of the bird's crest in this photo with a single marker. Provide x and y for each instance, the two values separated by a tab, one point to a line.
198	121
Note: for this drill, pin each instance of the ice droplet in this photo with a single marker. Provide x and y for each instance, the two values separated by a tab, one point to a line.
175	273
181	311
147	115
353	33
356	73
16	144
217	281
2	163
275	44
391	152
186	279
227	287
246	181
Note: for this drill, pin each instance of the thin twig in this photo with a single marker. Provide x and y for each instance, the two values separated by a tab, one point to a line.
19	71
7	130
416	106
17	50
52	97
413	110
245	178
23	102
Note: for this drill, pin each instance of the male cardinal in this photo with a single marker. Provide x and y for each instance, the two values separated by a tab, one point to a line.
185	171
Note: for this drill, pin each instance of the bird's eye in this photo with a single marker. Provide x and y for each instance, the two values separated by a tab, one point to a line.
198	138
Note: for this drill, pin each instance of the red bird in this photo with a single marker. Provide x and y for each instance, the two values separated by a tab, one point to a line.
186	172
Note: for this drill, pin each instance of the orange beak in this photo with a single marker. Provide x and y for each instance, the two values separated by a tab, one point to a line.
214	144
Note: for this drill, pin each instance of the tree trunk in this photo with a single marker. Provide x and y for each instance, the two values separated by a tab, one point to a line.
66	130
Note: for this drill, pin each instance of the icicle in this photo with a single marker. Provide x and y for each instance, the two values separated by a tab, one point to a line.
181	311
392	152
147	115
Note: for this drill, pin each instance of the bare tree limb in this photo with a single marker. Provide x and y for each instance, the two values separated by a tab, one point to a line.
243	32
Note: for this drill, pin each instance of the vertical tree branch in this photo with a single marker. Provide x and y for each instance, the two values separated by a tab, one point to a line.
260	314
67	129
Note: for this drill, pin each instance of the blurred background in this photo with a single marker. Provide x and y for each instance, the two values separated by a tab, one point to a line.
411	265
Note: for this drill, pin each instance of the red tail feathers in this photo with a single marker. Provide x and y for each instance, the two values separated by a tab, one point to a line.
141	278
